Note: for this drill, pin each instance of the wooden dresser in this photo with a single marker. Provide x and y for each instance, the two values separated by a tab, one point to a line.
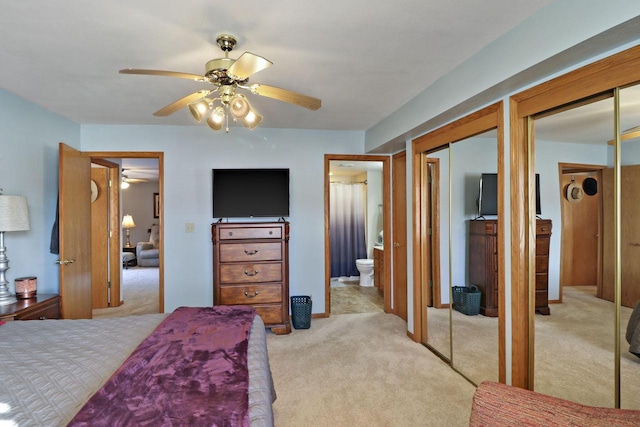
543	239
251	267
483	263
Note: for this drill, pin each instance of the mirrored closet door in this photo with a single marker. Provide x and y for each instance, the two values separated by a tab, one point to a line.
588	158
465	332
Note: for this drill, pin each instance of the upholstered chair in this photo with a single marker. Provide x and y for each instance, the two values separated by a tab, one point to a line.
147	253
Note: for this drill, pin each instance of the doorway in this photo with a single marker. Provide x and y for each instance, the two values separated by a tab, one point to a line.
580	245
348	162
141	169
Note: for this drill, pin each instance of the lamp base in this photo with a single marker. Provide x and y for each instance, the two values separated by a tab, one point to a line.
8	299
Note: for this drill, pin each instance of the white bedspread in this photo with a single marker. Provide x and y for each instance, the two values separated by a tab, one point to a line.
49	368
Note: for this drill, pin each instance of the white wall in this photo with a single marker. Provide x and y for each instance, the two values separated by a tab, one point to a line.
29	137
190	152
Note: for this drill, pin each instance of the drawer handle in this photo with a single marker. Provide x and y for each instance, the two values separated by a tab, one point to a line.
253	252
255	294
255	273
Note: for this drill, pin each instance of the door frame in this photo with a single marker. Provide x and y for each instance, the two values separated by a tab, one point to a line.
617	70
97	157
488	118
576	168
386	225
113	207
399	230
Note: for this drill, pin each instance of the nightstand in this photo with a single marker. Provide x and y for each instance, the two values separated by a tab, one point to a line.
129	257
42	306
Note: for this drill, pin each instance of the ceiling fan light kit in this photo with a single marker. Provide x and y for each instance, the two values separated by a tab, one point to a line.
227	75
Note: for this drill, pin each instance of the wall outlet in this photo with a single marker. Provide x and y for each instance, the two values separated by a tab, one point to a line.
189	227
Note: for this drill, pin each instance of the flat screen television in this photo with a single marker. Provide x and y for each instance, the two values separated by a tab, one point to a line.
488	195
247	193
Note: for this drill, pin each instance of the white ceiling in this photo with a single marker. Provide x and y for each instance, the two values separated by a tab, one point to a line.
363	59
592	123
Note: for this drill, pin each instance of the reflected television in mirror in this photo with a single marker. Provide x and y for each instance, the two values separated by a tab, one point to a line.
488	195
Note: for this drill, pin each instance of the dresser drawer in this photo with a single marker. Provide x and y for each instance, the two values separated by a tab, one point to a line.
542	282
271	314
248	252
543	228
251	273
260	293
542	245
234	233
542	264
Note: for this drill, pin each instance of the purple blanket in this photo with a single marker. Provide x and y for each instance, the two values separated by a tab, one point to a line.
192	371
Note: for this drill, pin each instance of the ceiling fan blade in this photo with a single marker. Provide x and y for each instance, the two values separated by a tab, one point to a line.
177	74
135	180
286	96
247	65
175	106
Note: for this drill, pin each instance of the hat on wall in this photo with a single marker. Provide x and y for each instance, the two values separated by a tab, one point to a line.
574	192
590	186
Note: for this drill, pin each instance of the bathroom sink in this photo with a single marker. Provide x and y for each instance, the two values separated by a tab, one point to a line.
378	247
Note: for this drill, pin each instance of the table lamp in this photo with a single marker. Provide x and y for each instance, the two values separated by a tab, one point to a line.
14	216
127	223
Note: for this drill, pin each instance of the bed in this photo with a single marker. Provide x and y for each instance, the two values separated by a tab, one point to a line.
52	370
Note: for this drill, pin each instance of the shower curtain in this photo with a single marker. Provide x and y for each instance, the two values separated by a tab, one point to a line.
347	228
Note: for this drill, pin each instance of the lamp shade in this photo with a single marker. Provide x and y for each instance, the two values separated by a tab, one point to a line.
14	213
240	107
127	222
199	108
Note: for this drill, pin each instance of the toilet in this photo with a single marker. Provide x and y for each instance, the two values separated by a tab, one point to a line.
365	267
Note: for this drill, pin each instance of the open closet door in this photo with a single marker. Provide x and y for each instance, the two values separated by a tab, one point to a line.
630	230
74	194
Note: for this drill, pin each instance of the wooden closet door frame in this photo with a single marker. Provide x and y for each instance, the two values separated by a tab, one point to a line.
488	118
619	70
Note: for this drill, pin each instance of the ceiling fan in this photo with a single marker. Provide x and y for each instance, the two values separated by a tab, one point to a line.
125	178
126	181
227	75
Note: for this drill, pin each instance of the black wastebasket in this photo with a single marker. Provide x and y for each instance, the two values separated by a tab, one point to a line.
466	300
301	312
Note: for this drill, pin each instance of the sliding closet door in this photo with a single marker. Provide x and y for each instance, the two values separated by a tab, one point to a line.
629	247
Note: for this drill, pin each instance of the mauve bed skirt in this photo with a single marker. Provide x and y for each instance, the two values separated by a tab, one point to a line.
50	368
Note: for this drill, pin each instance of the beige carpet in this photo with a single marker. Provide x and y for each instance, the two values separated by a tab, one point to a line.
363	370
574	351
140	293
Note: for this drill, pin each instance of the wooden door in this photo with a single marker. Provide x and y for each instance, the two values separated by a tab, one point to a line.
100	240
399	174
580	235
74	194
629	239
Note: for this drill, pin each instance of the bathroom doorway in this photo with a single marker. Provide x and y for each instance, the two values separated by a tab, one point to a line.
357	218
